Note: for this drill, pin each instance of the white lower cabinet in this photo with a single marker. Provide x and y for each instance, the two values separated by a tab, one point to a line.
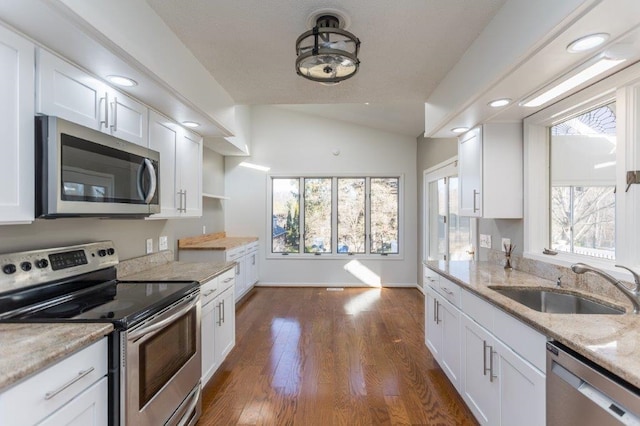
70	392
499	386
217	322
442	325
495	361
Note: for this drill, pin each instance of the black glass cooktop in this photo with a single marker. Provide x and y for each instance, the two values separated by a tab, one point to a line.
122	303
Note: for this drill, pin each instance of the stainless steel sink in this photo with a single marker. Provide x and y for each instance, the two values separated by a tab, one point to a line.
556	302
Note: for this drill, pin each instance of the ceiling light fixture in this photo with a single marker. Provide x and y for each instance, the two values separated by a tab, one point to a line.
190	124
122	81
459	129
327	53
497	103
580	75
588	42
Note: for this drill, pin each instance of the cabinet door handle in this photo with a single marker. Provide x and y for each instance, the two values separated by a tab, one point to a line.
475	194
223	313
491	375
80	375
185	201
437	312
114	113
219	314
484	357
106	110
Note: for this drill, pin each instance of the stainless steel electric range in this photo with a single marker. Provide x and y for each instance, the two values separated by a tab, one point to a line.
154	352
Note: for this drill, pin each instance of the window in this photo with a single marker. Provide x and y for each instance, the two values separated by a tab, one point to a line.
579	202
583	178
339	215
448	235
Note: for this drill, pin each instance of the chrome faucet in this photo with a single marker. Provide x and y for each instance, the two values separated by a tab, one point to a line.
633	295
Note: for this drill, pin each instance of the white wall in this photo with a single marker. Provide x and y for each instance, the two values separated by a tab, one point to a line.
296	143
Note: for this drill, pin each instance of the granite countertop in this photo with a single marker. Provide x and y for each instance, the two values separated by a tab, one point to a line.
28	348
180	271
218	241
612	341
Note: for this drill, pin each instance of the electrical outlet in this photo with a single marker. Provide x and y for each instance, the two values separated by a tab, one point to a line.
204	229
149	245
485	240
162	243
505	242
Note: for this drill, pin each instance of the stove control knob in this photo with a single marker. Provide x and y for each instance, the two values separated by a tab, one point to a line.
111	252
9	268
41	263
25	266
102	252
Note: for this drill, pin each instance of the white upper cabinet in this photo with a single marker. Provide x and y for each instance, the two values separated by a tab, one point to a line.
180	168
68	92
16	121
491	172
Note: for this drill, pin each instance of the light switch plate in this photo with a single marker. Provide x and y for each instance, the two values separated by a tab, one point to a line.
505	242
162	243
149	245
485	240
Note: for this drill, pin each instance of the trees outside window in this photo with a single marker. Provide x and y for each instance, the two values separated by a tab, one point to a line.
337	214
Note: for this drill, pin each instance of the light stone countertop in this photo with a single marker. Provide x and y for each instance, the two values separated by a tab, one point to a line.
28	348
612	341
178	271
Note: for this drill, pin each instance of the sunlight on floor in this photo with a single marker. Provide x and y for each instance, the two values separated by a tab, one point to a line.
364	274
285	356
362	302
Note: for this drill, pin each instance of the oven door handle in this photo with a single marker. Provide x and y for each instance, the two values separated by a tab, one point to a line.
149	330
191	410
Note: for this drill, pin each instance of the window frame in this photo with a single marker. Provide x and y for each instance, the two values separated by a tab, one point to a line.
623	88
333	254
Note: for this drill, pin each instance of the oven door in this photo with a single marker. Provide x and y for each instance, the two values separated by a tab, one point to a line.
162	369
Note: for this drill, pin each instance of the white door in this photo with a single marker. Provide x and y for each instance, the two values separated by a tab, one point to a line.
163	138
89	408
450	352
189	164
128	119
226	324
207	341
16	121
67	92
433	331
470	172
480	387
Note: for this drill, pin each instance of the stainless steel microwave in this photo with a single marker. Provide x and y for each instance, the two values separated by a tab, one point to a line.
83	172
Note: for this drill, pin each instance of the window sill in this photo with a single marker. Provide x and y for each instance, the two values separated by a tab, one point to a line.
328	256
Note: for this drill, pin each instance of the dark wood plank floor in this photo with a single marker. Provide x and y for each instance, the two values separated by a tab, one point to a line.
308	356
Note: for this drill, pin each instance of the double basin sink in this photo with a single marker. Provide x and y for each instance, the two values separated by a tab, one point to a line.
556	302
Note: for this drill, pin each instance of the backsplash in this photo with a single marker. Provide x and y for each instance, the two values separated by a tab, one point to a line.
591	283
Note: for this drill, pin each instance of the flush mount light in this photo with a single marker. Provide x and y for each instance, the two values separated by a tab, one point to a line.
122	81
327	53
497	103
459	129
190	124
575	78
588	42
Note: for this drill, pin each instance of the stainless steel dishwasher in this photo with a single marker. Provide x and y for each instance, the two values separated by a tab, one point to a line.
580	392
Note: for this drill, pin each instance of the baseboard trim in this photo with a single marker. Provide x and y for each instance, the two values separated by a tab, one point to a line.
345	285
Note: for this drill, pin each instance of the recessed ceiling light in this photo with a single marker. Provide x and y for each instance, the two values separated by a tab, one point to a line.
459	129
587	42
122	81
497	103
191	124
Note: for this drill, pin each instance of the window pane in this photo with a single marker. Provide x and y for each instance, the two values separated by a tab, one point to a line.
459	226
437	227
317	215
384	215
285	229
583	171
351	209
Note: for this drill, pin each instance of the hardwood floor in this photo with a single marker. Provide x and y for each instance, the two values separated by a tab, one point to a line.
308	356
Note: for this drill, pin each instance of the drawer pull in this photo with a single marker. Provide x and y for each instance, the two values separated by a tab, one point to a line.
446	290
228	279
208	293
80	375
